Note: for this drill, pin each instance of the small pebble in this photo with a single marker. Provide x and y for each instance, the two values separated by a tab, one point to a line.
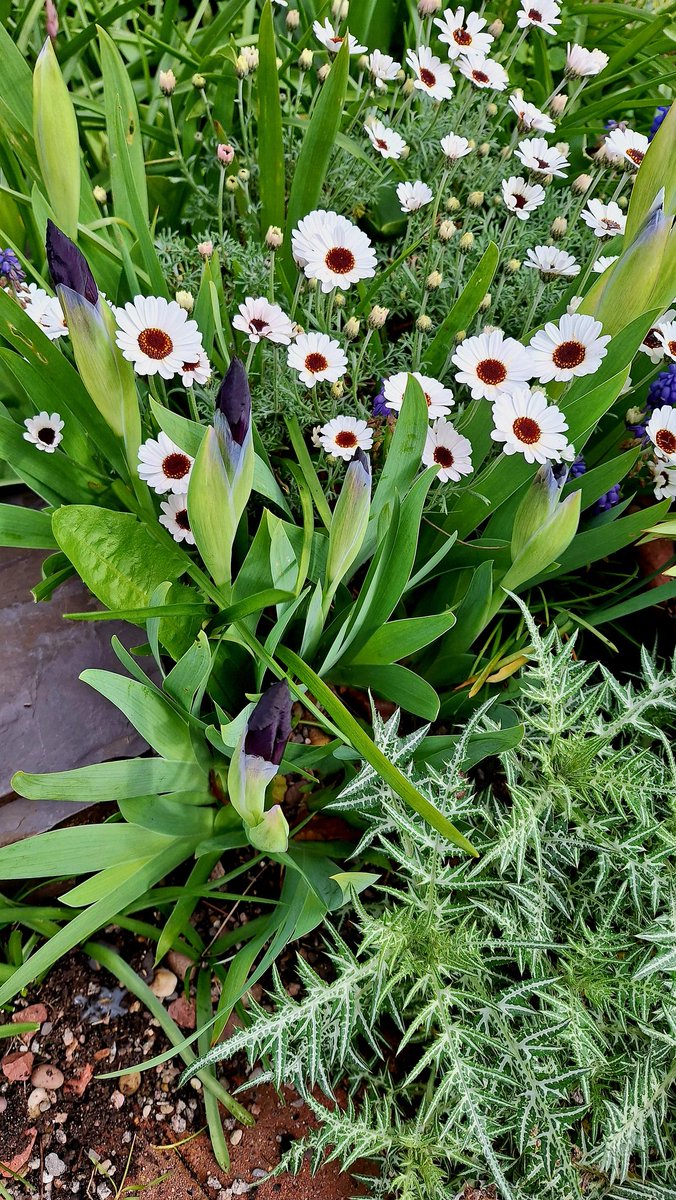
236	1137
55	1165
164	983
47	1076
130	1083
34	1103
116	1099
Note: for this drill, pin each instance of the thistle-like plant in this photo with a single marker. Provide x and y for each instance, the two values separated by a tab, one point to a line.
506	1024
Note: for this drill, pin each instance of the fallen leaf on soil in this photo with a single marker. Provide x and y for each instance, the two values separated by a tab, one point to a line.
17	1066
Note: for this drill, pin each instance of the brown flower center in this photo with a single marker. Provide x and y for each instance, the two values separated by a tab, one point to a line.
635	155
191	366
346	439
443	456
652	339
534	14
340	260
381	144
526	430
610	224
428	77
257	324
519	199
665	440
316	362
569	355
542	162
47	435
491	371
428	398
337	41
479	76
155	343
176	465
181	519
462	37
671	347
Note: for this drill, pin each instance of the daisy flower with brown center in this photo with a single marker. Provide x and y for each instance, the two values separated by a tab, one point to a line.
525	424
542	159
522	198
491	363
432	77
386	141
629	145
164	466
344	435
484	72
542	14
606	220
258	319
448	450
336	252
316	357
44	431
439	398
174	517
529	117
157	336
332	41
463	34
661	429
574	345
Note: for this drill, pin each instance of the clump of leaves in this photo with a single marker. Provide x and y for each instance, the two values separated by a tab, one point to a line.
506	1025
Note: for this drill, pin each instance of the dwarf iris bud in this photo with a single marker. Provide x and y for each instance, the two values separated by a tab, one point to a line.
255	763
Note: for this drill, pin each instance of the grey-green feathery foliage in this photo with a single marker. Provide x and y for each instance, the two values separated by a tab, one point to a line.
507	1025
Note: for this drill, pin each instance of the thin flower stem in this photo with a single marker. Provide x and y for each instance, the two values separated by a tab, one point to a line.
221	188
537	296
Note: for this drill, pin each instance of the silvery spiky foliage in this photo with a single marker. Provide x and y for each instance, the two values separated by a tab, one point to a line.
507	1026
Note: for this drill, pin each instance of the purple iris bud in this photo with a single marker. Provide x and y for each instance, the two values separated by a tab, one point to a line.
11	270
68	266
608	500
660	114
380	406
233	403
269	725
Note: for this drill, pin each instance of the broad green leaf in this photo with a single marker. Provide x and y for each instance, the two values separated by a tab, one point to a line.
29	528
400	685
118	90
56	477
472	612
658	170
38	385
189	677
88	891
78	851
169	816
599	480
399	639
154	718
270	142
463	311
435	751
111	781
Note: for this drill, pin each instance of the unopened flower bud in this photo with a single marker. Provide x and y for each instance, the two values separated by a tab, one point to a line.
466	241
340	9
582	184
305	59
100	194
427	8
485	303
471	144
447	230
634	416
563	148
400	76
185	300
496	27
167	81
198	81
622	201
292	18
225	153
337	389
484	149
241	66
323	72
424	323
206	249
513	265
408	87
363	62
243	175
460	336
351	329
250	53
492	110
231	183
339	300
505	152
452	204
274	237
405	151
559	227
378	316
434	280
315	438
558	104
475	199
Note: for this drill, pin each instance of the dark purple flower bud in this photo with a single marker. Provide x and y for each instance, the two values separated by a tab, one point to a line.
380	406
68	266
269	725
363	460
233	402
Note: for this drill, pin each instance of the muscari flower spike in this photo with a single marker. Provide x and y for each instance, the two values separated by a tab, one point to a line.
11	270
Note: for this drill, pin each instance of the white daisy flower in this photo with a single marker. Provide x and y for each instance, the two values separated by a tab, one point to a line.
607	153
603	262
164	466
386	141
413	196
197	371
332	41
454	146
449	450
661	430
573	304
583	64
484	72
664	480
653	344
575	345
530	117
157	336
491	363
174	517
606	220
630	145
551	262
542	159
336	252
526	424
46	311
316	356
44	431
258	318
343	436
542	14
431	75
522	198
307	231
383	69
462	34
439	398
667	330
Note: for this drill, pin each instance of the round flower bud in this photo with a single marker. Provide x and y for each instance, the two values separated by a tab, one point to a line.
351	329
496	27
292	18
206	249
485	303
338	389
243	174
339	300
446	231
484	149
323	72
623	202
340	9
231	183
505	152
466	241
581	184
634	416
225	153
185	300
250	53
198	81
492	110
241	66
559	227
558	104
460	336
408	87
378	316
274	237
167	81
100	194
305	60
562	147
513	265
424	323
405	151
475	199
198	135
363	62
427	8
453	204
434	280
